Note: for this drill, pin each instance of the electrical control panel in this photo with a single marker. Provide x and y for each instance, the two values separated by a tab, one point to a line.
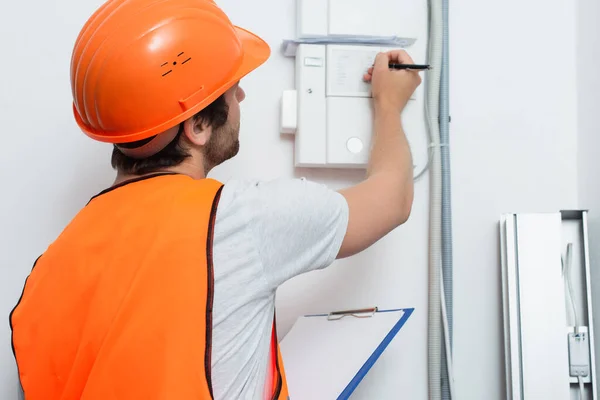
330	110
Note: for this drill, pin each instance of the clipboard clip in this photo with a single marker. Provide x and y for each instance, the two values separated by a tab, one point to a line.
362	313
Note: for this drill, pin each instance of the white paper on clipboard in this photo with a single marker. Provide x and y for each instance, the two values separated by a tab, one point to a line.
322	357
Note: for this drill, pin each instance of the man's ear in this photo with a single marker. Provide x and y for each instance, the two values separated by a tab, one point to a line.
196	131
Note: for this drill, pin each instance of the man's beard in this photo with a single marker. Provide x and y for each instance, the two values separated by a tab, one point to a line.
222	146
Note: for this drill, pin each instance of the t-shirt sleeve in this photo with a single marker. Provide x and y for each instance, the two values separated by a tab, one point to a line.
297	225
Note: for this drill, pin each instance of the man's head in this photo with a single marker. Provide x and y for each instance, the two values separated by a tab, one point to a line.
159	80
204	141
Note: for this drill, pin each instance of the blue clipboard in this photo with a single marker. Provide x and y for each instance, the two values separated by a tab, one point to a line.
362	372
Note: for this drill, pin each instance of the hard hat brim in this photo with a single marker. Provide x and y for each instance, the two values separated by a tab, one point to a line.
255	52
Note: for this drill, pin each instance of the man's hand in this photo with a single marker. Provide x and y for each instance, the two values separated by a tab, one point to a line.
392	89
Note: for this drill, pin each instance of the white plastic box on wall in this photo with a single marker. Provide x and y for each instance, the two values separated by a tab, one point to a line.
330	111
331	106
357	17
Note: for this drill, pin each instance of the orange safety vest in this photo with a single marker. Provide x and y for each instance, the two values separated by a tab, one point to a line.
120	305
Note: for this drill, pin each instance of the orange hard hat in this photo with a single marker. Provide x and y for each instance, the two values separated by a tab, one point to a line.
140	67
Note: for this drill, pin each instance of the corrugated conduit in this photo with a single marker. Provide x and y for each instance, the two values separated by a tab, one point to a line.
447	267
435	238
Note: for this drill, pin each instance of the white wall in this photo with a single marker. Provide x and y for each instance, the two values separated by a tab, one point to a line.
588	56
514	149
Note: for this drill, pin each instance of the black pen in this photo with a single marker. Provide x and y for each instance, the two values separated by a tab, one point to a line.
419	67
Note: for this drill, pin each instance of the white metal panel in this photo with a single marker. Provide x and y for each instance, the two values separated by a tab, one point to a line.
311	17
373	17
542	311
349	119
512	343
589	291
311	134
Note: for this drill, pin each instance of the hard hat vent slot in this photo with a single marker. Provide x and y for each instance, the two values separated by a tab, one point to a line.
174	63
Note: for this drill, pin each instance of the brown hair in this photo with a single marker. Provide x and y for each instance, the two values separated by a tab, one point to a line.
214	115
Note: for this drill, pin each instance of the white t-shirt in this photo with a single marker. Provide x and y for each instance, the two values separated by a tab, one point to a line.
265	233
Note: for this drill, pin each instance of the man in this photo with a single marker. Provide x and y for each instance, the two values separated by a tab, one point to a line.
163	286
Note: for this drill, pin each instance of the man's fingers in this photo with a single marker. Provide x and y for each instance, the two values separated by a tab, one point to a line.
367	76
400	57
382	61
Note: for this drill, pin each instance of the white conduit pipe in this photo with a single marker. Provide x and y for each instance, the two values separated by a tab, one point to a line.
435	217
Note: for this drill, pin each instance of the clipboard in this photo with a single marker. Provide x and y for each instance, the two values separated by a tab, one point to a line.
326	356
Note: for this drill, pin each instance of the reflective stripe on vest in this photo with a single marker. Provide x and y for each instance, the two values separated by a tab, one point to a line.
120	305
